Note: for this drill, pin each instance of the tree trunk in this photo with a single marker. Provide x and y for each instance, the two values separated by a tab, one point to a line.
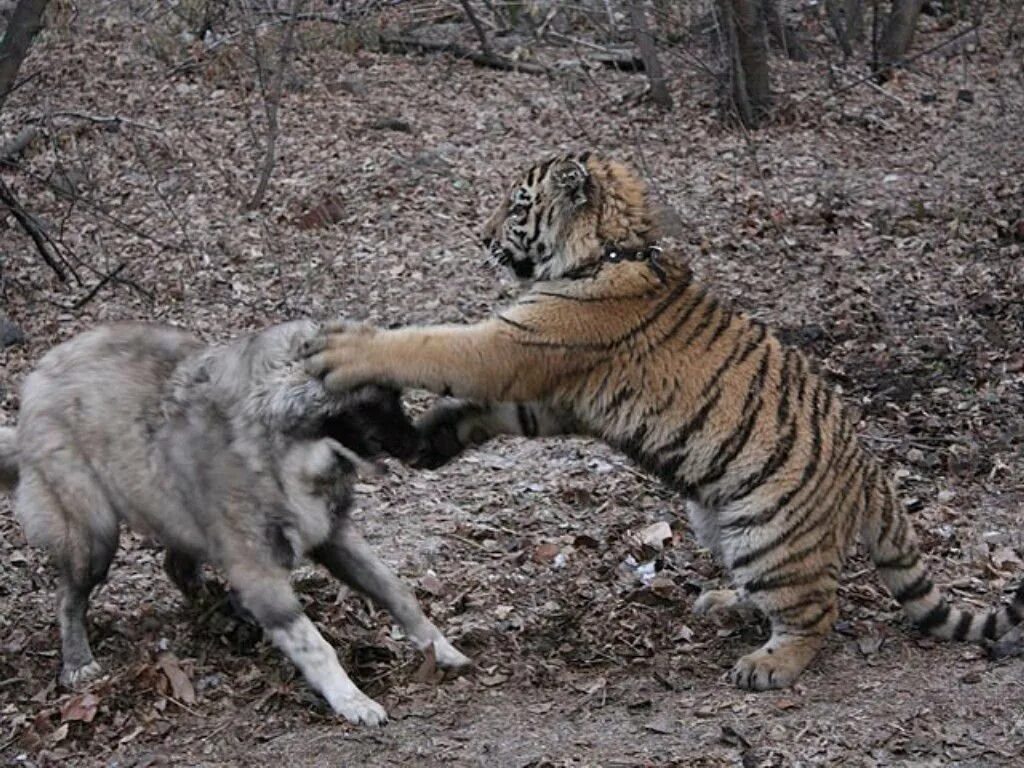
839	26
649	55
25	22
854	21
899	31
784	38
749	94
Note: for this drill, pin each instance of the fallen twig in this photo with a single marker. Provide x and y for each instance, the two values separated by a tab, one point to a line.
98	287
902	64
100	119
33	230
402	44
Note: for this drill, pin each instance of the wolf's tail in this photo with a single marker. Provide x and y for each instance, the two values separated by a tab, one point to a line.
8	458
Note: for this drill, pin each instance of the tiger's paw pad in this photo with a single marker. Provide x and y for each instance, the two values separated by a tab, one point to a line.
763	670
80	676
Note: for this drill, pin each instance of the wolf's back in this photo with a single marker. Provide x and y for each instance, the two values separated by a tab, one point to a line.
8	457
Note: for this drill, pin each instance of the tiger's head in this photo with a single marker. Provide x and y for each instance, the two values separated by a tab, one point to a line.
563	213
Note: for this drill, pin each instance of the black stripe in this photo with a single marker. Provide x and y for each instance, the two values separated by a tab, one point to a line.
1013	614
785	386
736	358
902	562
723	324
780	455
695	301
808	623
734	444
625	393
695	424
785	581
799	605
917	589
514	324
536	228
522	414
810	469
789	559
588	299
703	324
936	617
674	295
963	626
989	631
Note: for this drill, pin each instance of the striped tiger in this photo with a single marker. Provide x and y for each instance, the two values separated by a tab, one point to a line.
616	340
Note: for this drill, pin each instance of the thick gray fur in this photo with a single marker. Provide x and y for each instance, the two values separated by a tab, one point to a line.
222	455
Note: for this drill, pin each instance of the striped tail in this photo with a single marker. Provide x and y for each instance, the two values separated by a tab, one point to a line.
890	540
8	458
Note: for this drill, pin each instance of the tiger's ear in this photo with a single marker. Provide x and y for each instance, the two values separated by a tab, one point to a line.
573	179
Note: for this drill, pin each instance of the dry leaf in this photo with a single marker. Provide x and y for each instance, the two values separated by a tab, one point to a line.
545	553
79	708
655	535
181	685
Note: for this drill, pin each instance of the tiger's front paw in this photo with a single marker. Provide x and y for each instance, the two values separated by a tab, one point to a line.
340	355
439	434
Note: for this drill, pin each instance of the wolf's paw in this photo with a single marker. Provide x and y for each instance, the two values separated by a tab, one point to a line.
449	657
80	676
360	709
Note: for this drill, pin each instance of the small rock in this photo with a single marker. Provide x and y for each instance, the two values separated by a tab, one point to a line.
10	334
946	496
391	124
353	87
655	535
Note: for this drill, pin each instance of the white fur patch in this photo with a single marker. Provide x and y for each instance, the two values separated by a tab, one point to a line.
305	646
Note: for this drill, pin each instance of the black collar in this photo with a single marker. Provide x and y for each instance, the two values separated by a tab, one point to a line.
614	253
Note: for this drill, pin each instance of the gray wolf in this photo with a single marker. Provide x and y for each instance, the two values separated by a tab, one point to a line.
226	454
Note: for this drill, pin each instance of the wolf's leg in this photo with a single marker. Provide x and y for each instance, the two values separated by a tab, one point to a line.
264	591
184	571
347	555
83	565
63	509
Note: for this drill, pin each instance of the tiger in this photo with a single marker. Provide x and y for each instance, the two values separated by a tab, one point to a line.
615	339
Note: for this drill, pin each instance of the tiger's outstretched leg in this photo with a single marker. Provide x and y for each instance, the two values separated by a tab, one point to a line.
451	426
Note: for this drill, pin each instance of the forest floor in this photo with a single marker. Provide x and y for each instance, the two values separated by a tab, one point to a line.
881	232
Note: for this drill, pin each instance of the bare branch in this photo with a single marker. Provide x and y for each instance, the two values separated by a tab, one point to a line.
481	33
272	101
32	229
405	44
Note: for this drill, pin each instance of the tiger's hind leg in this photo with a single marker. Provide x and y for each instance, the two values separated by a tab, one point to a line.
801	619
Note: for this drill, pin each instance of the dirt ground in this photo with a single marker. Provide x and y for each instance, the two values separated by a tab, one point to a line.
882	232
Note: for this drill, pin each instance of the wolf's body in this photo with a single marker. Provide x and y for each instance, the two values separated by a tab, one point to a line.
228	455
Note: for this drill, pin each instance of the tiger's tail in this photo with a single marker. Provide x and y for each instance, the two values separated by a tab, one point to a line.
8	458
890	540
